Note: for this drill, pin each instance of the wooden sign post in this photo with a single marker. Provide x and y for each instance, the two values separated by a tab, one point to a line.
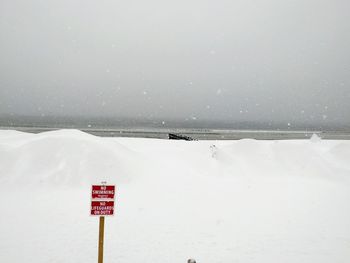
100	239
102	204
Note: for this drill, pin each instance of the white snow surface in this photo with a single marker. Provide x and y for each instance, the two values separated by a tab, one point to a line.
215	201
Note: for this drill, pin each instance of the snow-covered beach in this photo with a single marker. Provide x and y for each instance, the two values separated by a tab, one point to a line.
216	201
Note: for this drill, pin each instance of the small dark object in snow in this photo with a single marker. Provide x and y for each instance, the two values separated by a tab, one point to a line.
191	260
173	136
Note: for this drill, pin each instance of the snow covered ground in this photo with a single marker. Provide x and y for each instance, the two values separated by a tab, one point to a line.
216	201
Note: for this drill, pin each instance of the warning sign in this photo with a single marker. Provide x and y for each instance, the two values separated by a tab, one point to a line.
103	192
102	208
102	200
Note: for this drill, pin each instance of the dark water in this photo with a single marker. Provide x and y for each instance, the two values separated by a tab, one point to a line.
197	129
198	134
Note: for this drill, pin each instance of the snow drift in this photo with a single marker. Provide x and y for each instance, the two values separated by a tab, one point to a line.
63	158
216	201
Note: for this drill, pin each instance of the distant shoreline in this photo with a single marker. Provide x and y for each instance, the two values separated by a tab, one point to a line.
198	134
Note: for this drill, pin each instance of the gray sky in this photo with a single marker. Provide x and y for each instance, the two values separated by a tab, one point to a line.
230	60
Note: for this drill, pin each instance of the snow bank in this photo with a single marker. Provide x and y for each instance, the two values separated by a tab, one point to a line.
216	201
66	157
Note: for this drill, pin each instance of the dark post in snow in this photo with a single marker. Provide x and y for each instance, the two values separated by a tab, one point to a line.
100	239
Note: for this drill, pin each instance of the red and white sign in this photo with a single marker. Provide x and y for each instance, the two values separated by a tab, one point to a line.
103	192
102	208
102	200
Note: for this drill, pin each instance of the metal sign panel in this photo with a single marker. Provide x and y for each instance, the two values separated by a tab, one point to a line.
102	208
103	192
102	200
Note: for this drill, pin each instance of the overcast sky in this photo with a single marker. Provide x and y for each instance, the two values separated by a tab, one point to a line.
230	60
